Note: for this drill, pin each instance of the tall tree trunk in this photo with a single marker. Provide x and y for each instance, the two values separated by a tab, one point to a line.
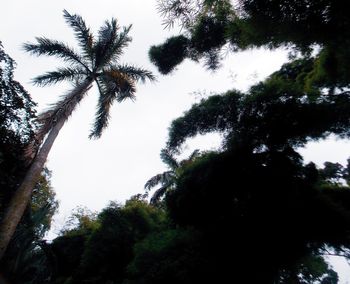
22	195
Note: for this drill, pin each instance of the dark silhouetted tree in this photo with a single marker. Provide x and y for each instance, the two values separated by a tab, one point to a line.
318	30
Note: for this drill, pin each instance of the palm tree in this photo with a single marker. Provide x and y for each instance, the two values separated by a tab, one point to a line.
97	62
167	179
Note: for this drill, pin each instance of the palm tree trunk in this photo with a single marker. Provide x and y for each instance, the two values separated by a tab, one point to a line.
22	195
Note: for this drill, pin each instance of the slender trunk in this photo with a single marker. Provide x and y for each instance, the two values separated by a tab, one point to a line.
22	195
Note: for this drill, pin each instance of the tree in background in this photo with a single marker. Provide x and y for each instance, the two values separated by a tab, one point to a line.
101	251
24	258
255	198
318	30
255	195
98	62
16	128
168	178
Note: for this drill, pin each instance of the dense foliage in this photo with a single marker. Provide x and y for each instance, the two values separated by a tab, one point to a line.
318	30
99	249
24	259
255	197
281	209
272	115
16	127
252	211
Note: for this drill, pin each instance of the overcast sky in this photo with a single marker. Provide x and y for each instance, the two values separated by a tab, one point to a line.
92	172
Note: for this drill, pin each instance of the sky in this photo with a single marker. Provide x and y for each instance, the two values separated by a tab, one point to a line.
91	173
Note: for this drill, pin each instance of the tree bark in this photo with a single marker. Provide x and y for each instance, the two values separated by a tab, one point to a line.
22	195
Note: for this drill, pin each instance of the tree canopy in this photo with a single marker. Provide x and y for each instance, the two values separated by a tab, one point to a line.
17	116
272	115
255	197
317	30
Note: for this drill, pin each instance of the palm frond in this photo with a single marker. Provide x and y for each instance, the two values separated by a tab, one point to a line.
137	74
153	181
126	91
168	159
112	85
158	194
120	83
59	75
82	34
60	110
110	44
106	99
106	37
165	179
55	48
121	41
108	31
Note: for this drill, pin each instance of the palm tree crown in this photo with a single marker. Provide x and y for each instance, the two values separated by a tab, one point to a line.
97	62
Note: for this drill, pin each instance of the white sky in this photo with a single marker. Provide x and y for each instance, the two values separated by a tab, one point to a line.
93	172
